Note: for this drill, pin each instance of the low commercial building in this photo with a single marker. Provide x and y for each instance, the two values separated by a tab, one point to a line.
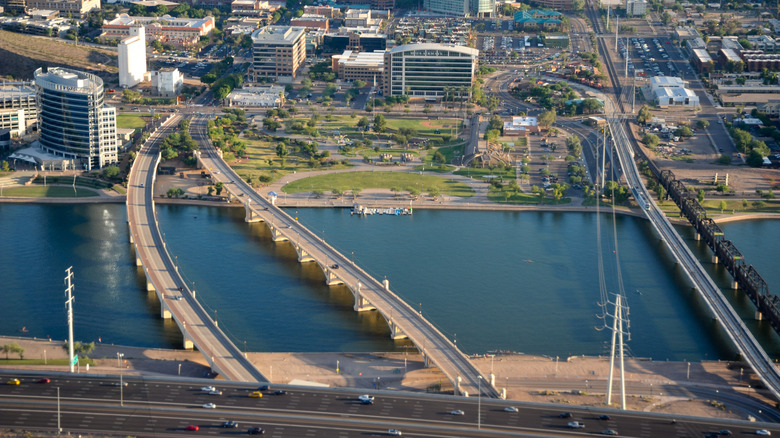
538	19
311	22
728	55
360	18
668	91
520	126
366	66
166	29
77	8
357	39
271	96
167	82
702	60
13	121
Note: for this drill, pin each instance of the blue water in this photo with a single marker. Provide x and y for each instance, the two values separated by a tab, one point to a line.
490	280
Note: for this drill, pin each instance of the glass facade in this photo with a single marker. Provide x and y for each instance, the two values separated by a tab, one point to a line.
429	70
73	123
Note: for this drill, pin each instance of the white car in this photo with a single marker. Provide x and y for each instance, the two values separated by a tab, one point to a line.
208	389
209	406
575	425
763	432
457	412
366	399
215	392
394	432
511	409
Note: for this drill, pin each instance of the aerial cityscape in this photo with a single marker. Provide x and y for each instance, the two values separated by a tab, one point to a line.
449	218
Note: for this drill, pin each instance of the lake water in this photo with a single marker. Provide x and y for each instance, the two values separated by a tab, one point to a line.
525	282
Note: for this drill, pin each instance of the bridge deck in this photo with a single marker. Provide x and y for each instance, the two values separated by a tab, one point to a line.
430	341
194	322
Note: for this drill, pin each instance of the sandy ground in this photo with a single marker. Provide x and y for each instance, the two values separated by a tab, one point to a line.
576	380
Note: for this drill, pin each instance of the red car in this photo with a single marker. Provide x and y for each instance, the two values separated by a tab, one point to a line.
192	427
44	381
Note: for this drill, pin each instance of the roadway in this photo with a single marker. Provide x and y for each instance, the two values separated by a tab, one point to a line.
174	295
743	339
436	347
154	406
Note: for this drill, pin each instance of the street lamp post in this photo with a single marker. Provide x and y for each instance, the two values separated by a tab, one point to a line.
59	426
479	404
118	357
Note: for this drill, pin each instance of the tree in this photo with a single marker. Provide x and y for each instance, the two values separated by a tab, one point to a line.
110	172
700	195
683	131
282	152
644	114
661	192
702	124
5	167
219	186
755	159
210	190
722	205
547	118
651	140
434	192
380	124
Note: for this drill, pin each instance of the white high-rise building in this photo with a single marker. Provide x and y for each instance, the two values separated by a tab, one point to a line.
132	57
167	82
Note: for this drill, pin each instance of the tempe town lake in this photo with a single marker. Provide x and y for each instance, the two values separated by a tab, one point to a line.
519	281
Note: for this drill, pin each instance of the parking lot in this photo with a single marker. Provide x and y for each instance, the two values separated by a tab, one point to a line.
654	57
192	69
498	49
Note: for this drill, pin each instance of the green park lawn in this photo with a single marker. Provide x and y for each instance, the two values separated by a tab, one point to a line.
48	192
51	362
130	121
401	181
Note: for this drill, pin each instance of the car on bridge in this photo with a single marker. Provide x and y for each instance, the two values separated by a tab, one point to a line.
255	431
192	427
230	424
208	389
394	432
511	409
209	406
256	394
609	432
458	412
366	399
575	425
14	382
215	392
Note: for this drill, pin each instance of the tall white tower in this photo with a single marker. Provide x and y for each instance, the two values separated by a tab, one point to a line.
132	57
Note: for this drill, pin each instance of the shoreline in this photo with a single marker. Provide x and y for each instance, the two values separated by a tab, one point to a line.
735	217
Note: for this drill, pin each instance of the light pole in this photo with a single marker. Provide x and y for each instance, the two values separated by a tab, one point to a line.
59	427
479	403
118	357
180	369
688	375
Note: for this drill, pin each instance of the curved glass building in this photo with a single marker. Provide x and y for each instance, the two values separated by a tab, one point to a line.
73	122
429	70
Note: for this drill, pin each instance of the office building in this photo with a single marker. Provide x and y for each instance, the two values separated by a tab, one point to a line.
356	39
166	29
15	6
74	124
428	70
373	4
18	107
367	66
636	8
457	8
520	126
167	82
77	8
483	8
131	53
310	21
277	52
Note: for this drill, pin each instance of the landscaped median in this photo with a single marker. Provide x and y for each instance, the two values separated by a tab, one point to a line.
414	183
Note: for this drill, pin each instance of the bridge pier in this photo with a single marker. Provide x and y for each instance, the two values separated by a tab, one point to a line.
303	256
138	262
696	236
251	216
759	315
395	332
188	345
734	284
331	279
165	312
715	259
362	304
277	235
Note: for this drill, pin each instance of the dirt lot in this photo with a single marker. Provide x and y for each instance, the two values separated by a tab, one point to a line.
22	54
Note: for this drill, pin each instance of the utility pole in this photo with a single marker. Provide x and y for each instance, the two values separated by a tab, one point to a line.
617	329
617	26
69	303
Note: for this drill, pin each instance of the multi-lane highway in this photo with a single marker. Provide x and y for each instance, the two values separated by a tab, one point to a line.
370	292
166	407
175	297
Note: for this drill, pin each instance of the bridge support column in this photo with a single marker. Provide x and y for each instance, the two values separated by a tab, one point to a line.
277	235
362	304
759	315
131	238
457	391
395	332
734	284
303	256
331	279
715	259
251	216
492	380
188	345
503	393
138	262
696	236
165	312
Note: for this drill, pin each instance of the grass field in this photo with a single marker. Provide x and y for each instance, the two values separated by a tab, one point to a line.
401	181
52	362
22	54
713	206
480	173
49	192
130	121
498	196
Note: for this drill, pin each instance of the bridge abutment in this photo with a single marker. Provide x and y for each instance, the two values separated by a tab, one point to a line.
362	304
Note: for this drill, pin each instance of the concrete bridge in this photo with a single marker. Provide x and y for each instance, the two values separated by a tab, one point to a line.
369	294
177	301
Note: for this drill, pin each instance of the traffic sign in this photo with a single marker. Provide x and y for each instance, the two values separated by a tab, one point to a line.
75	359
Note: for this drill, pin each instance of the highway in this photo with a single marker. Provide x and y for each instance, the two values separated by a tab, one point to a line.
196	325
402	318
743	339
164	407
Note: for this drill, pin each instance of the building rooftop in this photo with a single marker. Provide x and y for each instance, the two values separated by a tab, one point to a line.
731	55
16	89
666	82
126	20
369	59
68	80
435	46
278	34
702	54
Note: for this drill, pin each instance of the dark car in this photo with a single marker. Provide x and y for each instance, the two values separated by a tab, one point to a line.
280	392
604	417
255	431
725	432
263	388
564	415
230	424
